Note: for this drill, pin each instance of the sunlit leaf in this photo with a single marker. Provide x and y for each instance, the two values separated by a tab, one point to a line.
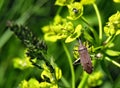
112	52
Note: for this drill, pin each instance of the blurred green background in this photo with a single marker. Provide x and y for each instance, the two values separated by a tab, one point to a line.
36	14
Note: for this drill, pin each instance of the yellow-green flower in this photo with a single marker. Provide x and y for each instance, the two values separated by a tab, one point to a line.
75	10
113	26
31	83
75	34
61	29
22	63
47	74
117	1
86	2
95	79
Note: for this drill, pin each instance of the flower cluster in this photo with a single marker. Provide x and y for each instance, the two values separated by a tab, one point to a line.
61	28
95	79
45	75
22	63
113	26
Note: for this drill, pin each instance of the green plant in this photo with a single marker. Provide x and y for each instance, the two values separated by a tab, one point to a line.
64	28
47	62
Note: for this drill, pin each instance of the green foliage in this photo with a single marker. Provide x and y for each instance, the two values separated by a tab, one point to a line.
45	60
60	29
22	63
32	83
113	26
75	10
95	79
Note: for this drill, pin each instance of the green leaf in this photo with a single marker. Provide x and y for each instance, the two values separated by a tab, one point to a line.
112	52
88	37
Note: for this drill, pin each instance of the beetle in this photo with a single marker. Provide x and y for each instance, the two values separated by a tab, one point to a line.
84	59
75	10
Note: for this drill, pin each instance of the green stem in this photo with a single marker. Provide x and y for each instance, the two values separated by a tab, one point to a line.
5	37
99	21
59	10
112	61
97	48
82	83
70	63
92	30
65	82
110	41
1	4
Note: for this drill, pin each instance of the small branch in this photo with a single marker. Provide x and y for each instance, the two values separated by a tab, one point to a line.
112	61
71	65
99	21
90	27
82	83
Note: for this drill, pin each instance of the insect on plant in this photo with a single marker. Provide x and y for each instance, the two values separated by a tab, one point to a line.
84	59
75	10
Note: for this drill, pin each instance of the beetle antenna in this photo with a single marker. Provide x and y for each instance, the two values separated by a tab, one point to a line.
80	42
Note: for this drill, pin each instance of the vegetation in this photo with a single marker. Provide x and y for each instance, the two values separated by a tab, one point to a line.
38	43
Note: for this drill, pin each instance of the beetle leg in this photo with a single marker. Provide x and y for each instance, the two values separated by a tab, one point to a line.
76	62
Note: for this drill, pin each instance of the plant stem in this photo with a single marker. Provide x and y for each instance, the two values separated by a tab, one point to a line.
92	30
5	37
110	41
112	61
65	82
99	22
70	63
82	83
59	10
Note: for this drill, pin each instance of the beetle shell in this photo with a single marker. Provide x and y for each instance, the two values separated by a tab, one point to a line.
85	59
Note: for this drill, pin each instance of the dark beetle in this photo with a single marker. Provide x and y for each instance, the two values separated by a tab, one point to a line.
75	10
85	59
